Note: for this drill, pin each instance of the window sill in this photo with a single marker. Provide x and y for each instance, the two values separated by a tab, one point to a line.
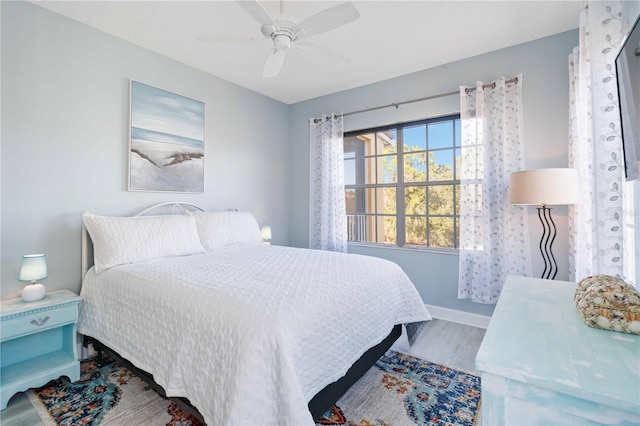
405	248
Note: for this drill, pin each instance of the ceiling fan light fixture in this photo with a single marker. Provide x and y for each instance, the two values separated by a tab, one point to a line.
282	42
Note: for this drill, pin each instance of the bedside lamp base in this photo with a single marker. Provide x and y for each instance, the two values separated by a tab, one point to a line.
33	292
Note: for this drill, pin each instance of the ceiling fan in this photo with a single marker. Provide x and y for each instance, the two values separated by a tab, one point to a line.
285	32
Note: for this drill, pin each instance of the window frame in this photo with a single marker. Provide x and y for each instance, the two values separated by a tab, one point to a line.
400	185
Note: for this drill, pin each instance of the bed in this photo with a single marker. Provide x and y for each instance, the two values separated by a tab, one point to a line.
246	333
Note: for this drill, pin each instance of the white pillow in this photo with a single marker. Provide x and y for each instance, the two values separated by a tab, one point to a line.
122	240
226	228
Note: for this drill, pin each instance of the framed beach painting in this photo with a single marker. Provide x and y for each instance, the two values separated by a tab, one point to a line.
166	141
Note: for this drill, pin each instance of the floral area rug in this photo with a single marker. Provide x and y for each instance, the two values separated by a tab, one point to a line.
404	390
399	390
106	394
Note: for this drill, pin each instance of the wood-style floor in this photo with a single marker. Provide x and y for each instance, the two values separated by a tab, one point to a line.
448	343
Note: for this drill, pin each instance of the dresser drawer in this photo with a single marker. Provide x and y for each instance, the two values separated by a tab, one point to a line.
38	321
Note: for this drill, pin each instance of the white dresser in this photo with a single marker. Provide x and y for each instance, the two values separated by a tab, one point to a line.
541	365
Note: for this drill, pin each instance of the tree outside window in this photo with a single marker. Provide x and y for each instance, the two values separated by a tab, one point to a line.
402	185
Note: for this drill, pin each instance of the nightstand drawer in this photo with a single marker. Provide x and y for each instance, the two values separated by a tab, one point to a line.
39	321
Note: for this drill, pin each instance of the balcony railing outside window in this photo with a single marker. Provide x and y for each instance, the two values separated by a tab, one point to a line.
357	227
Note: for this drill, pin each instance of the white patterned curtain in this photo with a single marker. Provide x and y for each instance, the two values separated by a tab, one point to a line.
327	214
596	243
494	237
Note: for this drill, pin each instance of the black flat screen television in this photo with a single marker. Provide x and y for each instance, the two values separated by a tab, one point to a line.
628	75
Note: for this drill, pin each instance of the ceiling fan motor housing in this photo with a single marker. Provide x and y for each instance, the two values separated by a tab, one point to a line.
268	30
282	35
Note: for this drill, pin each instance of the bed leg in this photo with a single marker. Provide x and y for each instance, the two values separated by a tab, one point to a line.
84	347
97	347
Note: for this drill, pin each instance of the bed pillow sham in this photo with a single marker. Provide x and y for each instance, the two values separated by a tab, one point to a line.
123	240
226	228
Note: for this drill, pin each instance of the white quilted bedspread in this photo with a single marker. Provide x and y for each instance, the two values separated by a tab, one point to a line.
249	334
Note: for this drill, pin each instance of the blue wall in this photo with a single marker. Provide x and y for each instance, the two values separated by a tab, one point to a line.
65	118
544	66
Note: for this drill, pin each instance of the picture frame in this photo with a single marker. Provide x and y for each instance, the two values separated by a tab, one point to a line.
166	141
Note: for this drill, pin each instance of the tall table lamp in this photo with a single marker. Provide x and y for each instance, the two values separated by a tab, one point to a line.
34	268
545	187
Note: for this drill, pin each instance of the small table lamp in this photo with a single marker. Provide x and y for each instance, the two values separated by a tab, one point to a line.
34	267
266	234
545	187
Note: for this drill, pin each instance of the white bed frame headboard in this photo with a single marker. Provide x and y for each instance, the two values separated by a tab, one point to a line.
170	207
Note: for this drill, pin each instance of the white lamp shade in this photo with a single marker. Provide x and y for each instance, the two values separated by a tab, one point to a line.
544	187
34	267
266	232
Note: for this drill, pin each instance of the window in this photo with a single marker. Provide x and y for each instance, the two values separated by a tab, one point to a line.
402	185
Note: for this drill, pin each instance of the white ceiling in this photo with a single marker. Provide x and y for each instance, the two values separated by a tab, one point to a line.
391	38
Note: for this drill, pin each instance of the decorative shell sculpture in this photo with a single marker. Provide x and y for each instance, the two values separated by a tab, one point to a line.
608	303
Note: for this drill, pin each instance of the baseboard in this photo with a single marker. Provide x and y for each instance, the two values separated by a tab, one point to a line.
461	317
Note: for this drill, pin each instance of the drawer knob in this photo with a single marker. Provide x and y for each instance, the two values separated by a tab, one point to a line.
40	321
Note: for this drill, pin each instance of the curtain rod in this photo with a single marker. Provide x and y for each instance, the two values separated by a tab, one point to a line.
441	95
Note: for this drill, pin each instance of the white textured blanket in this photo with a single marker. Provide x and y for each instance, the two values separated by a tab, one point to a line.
249	334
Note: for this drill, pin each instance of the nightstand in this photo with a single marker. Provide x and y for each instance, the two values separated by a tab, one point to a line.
38	342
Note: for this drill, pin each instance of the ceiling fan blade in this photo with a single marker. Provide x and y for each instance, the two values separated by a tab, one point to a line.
321	55
273	64
258	12
327	20
230	37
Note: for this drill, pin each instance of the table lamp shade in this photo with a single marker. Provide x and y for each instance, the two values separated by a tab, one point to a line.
34	267
266	232
544	187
